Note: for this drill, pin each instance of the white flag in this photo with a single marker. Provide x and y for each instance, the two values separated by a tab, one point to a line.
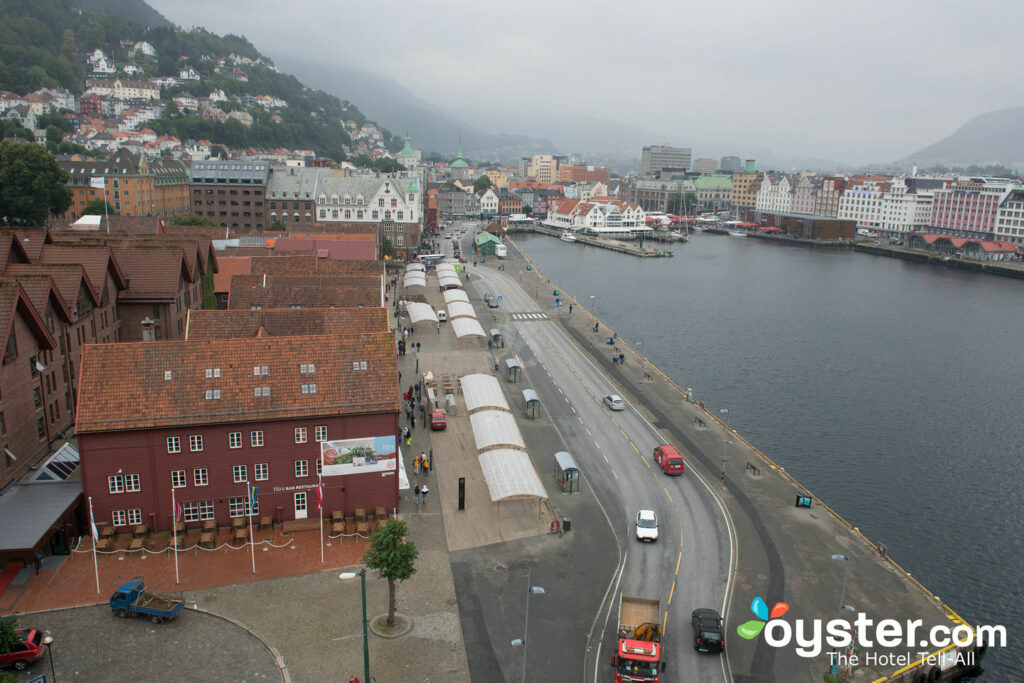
97	182
92	522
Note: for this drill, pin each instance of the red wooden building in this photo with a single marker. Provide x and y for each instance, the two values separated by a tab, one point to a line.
208	418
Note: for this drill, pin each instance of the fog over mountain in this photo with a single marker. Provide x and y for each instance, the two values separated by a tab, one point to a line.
995	137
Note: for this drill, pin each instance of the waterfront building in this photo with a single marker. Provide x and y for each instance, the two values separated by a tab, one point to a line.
775	194
745	187
969	207
665	196
509	203
1010	217
231	193
714	192
488	202
392	204
863	200
907	205
804	193
655	158
209	419
826	199
454	203
573	214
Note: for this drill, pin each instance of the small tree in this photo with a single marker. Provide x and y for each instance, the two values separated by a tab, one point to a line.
97	207
386	248
482	183
8	633
193	219
392	557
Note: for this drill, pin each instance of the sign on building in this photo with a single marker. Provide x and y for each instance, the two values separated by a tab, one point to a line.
359	456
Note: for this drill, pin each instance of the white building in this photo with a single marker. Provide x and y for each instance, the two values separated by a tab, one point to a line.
775	195
1010	218
605	218
122	89
188	74
489	202
145	48
368	199
907	204
864	201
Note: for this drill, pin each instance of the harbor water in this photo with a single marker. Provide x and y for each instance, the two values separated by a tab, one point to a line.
889	389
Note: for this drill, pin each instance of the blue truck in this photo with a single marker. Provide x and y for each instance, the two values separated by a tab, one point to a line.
132	599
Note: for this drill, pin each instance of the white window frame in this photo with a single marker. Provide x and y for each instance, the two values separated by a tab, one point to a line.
178	479
301	468
200	476
240	473
261	471
115	484
118	518
206	510
190	511
234	439
300	435
132	483
174	444
195	443
134	517
321	433
239	507
256	438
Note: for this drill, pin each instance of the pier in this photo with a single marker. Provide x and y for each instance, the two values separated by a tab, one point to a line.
602	242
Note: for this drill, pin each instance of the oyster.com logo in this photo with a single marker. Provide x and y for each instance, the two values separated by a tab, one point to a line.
752	629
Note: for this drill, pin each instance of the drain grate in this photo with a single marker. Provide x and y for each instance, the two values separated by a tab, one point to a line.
563	555
500	568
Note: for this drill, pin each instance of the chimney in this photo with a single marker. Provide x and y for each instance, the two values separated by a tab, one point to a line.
147	329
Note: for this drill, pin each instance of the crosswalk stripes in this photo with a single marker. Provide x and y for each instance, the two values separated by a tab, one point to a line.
529	316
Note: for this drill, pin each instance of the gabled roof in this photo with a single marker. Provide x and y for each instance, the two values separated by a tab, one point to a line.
221	324
168	385
310	264
197	249
32	240
97	261
307	291
14	301
11	248
68	280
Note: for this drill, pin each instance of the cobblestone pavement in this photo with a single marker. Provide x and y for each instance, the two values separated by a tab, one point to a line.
94	646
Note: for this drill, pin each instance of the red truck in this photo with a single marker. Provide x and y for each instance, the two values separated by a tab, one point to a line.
28	648
668	459
638	657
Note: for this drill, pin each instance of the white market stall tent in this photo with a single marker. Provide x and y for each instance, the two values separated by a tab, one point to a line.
420	312
467	327
451	295
483	391
510	475
495	428
461	309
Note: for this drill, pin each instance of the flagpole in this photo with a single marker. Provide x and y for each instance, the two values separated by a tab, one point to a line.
106	216
95	535
320	512
174	532
252	544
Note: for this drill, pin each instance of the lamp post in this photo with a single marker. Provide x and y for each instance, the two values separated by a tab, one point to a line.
725	454
845	559
48	640
366	641
530	590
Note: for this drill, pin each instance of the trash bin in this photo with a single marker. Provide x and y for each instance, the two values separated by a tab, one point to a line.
566	525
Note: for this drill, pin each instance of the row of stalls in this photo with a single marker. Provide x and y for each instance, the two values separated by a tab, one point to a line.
460	312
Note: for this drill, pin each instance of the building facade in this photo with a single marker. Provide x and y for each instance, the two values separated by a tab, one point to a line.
132	184
655	158
231	193
969	207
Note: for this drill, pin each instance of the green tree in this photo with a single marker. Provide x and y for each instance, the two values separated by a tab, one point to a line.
8	632
482	183
386	248
32	185
393	557
193	219
99	207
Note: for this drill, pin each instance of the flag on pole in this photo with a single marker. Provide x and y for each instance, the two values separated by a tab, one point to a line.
253	490
97	182
92	523
179	511
320	496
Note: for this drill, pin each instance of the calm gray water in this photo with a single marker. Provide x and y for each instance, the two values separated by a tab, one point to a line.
891	390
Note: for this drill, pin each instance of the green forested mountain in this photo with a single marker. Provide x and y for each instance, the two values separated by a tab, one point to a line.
43	43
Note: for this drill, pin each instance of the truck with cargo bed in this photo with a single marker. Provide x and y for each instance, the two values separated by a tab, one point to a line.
132	599
638	657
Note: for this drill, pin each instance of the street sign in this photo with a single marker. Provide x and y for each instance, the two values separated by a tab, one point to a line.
499	297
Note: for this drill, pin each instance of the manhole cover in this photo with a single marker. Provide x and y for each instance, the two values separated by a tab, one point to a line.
563	555
451	601
500	568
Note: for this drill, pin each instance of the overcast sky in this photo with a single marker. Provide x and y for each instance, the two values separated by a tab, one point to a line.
859	82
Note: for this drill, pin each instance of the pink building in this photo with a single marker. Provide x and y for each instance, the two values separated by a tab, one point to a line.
968	207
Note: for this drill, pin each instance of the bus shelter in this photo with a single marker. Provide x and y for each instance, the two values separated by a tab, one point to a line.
497	340
531	404
567	472
513	370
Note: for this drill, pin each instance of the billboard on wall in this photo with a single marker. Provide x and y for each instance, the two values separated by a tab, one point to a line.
359	456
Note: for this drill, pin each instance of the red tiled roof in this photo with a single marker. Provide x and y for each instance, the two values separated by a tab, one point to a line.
308	291
220	324
144	398
40	289
32	240
96	260
69	280
310	264
990	246
229	267
14	300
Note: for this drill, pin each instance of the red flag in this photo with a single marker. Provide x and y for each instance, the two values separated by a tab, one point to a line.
320	496
179	511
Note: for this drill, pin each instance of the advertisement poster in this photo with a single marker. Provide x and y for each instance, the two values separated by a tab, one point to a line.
359	456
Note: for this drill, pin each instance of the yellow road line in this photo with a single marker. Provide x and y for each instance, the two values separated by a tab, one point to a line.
645	462
635	448
679	560
668	494
671	592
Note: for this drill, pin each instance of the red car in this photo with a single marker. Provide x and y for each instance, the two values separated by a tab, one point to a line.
437	421
462	259
28	649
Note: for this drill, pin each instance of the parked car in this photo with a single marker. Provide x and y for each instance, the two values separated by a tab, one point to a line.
442	316
462	259
493	302
708	635
614	402
29	648
646	526
437	421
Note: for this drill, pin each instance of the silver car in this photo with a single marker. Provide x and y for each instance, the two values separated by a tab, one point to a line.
614	402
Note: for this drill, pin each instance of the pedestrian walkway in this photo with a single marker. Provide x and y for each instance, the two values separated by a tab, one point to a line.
529	316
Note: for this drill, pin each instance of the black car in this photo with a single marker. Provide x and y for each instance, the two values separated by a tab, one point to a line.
707	630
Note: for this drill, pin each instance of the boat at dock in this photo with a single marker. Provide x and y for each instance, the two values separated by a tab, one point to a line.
737	233
567	236
678	236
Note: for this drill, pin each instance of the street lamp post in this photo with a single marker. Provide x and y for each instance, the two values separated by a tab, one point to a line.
725	454
845	559
366	641
48	640
531	590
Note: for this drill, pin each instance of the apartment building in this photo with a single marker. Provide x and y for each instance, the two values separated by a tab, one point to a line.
231	193
133	185
656	158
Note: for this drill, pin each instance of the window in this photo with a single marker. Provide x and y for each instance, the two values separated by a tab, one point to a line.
319	467
240	473
174	444
119	518
307	368
135	516
235	440
321	433
212	373
309	388
178	479
206	509
212	394
258	370
301	468
358	365
262	471
300	433
200	477
256	439
132	482
195	442
239	507
115	484
261	391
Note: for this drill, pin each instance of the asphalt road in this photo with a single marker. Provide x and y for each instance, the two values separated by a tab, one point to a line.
689	565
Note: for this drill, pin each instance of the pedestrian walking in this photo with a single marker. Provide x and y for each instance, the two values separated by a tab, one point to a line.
622	359
405	332
439	327
410	392
417	347
570	309
416	464
423	492
423	411
418	493
417	391
425	461
412	419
